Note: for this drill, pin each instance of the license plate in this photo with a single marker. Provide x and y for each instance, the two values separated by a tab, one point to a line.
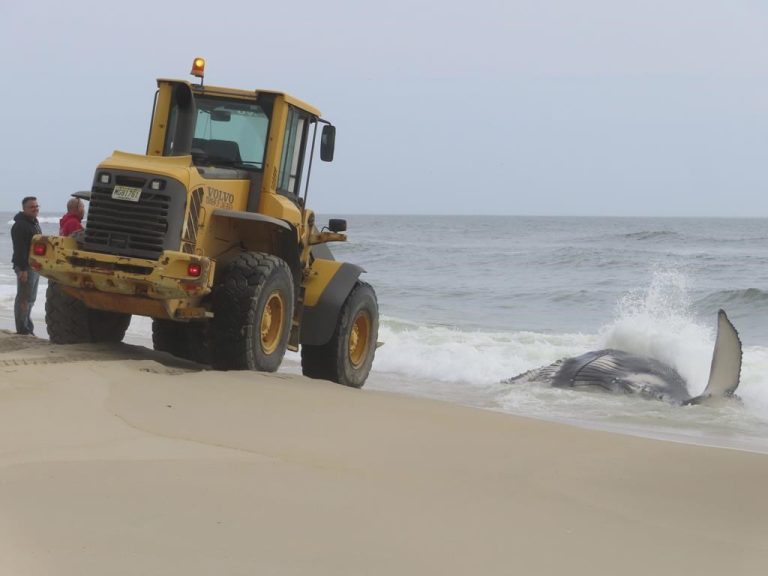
129	193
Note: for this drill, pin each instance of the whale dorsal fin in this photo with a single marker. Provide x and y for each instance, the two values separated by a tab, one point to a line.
725	371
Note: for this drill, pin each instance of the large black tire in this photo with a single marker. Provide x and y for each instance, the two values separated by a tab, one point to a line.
66	318
188	340
107	326
167	336
348	356
252	313
69	321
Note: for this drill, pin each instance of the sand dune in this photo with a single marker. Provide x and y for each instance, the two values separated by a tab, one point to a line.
120	460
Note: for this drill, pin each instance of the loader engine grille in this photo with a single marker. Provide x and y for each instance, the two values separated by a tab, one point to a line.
139	229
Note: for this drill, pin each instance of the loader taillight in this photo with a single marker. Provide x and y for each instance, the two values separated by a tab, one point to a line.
39	249
194	269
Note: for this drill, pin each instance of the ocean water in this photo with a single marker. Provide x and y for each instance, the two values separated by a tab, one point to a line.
467	302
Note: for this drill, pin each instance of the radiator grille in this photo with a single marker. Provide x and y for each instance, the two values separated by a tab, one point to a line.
137	229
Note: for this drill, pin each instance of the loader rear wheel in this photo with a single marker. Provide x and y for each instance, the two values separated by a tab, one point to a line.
253	309
348	356
107	326
167	336
188	340
66	317
69	321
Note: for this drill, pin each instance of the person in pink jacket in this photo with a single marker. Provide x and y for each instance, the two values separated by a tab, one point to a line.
71	222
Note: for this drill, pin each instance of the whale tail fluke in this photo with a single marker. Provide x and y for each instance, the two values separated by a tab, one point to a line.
725	371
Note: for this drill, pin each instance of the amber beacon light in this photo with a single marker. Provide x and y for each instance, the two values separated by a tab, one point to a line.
198	67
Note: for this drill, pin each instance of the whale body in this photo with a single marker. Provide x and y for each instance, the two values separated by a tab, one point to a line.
618	371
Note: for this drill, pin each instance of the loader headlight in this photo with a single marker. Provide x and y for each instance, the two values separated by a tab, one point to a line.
157	184
104	178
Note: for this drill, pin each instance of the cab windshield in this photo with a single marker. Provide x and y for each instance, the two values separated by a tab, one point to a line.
229	133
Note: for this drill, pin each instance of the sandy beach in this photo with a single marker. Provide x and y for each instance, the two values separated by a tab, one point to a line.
118	460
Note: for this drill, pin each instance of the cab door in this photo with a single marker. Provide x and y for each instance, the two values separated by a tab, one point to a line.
294	152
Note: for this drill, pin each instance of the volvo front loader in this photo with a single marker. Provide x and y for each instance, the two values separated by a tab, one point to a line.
208	233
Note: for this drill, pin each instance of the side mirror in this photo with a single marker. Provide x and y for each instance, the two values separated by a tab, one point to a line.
337	225
327	143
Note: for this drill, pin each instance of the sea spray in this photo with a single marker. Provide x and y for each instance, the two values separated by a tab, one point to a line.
657	321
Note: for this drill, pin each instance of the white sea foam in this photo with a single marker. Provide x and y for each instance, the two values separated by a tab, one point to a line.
7	295
474	358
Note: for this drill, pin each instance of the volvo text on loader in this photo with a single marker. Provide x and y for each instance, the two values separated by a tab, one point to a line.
208	233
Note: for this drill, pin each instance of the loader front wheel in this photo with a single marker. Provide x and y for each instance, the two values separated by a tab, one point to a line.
253	309
348	356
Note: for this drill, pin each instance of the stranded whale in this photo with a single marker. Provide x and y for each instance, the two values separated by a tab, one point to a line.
621	372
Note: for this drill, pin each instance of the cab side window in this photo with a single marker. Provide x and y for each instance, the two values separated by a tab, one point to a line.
294	145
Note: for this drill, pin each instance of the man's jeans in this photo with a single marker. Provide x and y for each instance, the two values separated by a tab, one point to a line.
26	294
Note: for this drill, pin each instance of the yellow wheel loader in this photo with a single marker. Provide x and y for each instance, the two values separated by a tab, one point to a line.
208	233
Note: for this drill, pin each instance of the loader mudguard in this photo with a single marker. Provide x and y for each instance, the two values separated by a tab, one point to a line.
261	233
320	319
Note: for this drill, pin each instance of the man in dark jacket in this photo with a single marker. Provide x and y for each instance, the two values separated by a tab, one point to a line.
25	225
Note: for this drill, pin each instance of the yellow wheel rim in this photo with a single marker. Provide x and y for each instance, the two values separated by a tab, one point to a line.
359	338
272	322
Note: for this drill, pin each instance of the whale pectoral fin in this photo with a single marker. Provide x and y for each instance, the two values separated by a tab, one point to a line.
725	371
542	375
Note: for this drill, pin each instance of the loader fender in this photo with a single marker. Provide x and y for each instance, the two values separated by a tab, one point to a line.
262	233
328	287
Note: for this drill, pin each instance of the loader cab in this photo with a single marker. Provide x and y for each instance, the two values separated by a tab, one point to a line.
239	134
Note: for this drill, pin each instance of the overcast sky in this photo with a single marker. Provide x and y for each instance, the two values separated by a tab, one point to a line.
550	107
